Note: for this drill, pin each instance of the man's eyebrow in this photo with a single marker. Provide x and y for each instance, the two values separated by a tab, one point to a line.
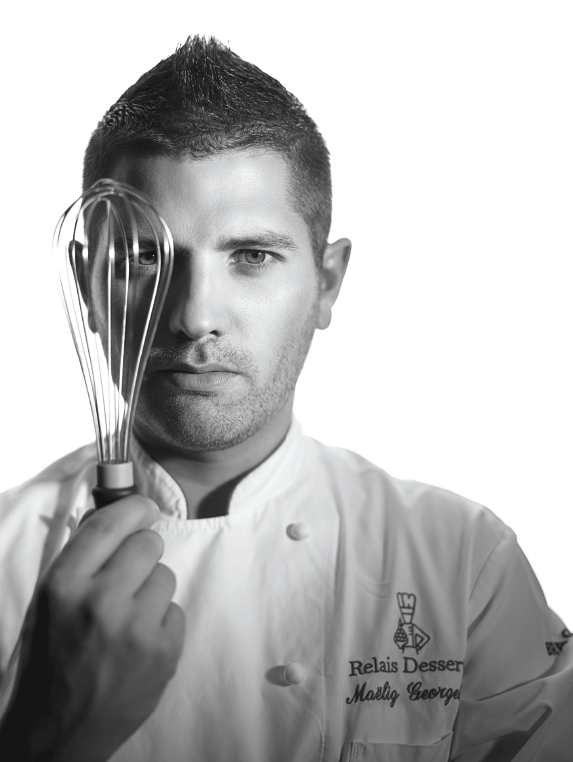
263	240
146	240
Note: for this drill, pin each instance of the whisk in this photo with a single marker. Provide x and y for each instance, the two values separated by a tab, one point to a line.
114	257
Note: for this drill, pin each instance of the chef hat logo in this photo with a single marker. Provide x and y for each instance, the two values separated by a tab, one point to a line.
408	634
407	604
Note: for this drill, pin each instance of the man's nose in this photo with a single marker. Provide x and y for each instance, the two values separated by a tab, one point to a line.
196	303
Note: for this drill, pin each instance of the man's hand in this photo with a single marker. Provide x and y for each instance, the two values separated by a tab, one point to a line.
101	641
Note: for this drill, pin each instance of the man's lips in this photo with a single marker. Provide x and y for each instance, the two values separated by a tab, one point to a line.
197	378
188	368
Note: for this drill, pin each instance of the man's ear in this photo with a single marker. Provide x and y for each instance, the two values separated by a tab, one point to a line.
76	255
334	264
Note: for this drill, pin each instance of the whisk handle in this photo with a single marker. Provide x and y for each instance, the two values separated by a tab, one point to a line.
114	481
104	496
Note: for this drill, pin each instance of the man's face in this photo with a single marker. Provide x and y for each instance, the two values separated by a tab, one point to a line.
243	302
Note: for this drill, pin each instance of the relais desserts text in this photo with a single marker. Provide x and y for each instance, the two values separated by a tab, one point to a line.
409	665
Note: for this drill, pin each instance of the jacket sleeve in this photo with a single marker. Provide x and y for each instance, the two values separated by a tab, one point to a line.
517	688
36	521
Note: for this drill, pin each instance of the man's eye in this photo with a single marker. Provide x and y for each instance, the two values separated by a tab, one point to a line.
147	257
252	257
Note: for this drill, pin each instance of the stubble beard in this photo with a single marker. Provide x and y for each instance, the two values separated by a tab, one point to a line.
199	423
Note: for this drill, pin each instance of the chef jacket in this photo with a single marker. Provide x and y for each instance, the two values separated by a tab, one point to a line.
335	614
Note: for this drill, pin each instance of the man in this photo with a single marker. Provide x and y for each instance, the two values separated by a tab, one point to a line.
307	606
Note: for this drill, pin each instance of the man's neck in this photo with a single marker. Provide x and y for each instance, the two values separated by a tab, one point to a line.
208	479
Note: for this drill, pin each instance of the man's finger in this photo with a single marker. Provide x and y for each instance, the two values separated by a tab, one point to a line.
87	515
104	532
132	563
153	598
174	626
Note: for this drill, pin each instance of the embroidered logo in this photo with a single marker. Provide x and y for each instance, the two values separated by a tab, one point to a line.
408	634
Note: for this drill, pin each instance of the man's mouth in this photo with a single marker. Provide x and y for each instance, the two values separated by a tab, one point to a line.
198	378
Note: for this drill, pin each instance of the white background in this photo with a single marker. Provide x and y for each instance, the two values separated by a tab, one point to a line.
451	131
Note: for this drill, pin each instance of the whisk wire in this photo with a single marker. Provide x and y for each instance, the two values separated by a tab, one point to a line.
128	326
112	359
76	322
158	295
95	364
110	327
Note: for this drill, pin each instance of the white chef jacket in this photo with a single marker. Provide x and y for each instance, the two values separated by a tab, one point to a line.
336	614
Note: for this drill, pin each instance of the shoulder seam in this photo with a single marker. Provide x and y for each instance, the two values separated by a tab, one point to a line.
504	531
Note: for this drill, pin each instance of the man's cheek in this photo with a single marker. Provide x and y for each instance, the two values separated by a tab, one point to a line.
290	304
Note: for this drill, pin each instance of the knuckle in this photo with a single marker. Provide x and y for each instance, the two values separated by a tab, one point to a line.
159	647
103	523
147	509
147	542
151	648
141	510
139	638
101	604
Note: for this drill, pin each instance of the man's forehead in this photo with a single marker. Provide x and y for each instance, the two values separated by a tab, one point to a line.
246	169
236	190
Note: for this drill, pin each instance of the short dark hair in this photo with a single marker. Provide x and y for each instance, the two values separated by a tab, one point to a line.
204	99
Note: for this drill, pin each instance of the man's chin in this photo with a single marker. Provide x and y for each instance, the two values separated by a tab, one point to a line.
202	431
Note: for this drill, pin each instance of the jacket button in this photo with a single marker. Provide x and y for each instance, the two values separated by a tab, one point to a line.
298	531
294	673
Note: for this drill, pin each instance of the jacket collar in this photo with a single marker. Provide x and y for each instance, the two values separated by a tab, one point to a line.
265	482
